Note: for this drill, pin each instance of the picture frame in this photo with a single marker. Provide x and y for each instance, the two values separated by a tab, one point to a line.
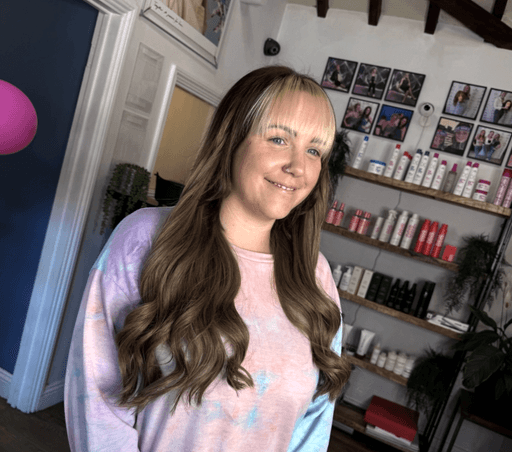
390	122
451	136
405	87
357	117
491	114
338	74
464	100
371	81
489	145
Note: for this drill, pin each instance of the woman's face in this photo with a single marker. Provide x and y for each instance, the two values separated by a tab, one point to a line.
438	140
358	107
461	135
466	89
367	111
403	122
263	189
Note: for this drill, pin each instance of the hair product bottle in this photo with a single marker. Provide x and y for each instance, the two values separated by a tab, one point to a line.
429	175
338	216
331	213
402	166
391	361
375	354
436	251
360	153
390	302
422	167
377	228
502	188
423	306
470	184
412	225
449	183
413	167
420	243
392	162
438	178
429	243
406	306
387	229
400	363
336	275
399	228
345	279
461	183
400	296
354	221
362	228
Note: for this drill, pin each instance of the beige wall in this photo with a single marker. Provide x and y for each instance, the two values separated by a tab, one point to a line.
185	125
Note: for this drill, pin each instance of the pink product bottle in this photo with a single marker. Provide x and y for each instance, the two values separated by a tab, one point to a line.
420	243
364	223
436	251
338	217
331	214
429	243
508	197
502	188
354	221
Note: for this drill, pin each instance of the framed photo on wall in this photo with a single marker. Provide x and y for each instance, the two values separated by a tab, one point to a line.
338	74
359	115
393	122
371	80
489	145
405	87
451	136
464	100
498	108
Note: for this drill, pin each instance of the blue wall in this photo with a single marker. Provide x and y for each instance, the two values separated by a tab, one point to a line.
44	50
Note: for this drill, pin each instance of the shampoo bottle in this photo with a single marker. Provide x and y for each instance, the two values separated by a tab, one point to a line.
331	214
387	229
409	300
336	275
438	178
345	279
360	154
393	293
413	166
410	230
468	189
431	170
451	178
338	216
390	168
399	228
400	297
402	166
461	183
422	167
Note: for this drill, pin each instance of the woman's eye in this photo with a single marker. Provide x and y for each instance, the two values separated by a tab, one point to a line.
277	140
315	152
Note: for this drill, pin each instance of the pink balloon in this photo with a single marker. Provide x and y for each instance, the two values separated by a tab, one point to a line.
18	119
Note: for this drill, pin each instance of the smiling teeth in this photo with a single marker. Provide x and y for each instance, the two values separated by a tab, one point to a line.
282	186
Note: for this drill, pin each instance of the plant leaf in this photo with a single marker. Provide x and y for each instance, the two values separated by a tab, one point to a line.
507	324
481	364
507	378
470	341
484	318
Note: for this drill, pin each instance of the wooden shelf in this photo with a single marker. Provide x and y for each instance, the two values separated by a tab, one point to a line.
353	417
391	248
399	315
365	364
428	192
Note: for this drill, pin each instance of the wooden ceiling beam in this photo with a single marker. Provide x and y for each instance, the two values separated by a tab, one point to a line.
498	9
374	11
479	21
432	18
322	6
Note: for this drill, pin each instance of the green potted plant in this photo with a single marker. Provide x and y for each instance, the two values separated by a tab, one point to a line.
488	363
338	160
126	192
475	260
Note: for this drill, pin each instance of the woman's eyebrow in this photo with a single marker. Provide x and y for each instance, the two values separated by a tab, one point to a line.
294	133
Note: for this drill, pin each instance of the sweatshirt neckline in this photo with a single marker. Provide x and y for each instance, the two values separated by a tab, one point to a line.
253	255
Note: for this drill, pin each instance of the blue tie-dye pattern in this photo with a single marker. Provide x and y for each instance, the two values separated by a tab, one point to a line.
251	418
263	380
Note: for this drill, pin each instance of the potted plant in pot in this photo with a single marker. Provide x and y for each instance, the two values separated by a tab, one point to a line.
126	192
338	160
488	364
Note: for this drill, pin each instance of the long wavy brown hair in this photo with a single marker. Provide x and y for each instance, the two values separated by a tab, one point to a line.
191	277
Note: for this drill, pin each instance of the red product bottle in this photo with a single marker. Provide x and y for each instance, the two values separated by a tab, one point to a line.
354	222
436	251
339	215
422	237
429	243
364	223
332	213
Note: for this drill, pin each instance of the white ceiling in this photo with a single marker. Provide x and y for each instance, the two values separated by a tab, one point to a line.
408	9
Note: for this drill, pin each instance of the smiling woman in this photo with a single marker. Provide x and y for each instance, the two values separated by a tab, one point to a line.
216	324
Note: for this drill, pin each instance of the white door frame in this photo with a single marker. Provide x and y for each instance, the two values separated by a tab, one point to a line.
114	27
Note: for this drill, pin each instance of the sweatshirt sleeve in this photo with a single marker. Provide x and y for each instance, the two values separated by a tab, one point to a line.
312	431
95	423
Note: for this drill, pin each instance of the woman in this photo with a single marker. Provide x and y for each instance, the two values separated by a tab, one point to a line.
365	122
405	88
216	324
372	82
478	142
495	145
353	116
401	130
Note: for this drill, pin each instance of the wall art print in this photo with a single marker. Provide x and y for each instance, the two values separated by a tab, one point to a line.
393	122
371	80
338	74
405	87
451	136
489	145
359	115
464	100
498	108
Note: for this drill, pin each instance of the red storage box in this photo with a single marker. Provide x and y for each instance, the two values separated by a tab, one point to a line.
394	418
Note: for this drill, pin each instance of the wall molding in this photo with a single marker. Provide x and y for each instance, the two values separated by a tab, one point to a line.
5	383
52	395
114	28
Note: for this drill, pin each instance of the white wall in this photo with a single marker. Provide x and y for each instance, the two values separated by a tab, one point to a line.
452	53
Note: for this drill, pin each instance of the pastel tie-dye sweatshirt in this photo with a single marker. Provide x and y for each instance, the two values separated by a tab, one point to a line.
278	414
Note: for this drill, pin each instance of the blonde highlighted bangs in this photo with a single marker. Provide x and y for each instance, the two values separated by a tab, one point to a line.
262	114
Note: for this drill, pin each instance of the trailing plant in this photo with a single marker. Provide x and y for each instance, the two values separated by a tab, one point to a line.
128	185
338	160
489	356
475	261
428	383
